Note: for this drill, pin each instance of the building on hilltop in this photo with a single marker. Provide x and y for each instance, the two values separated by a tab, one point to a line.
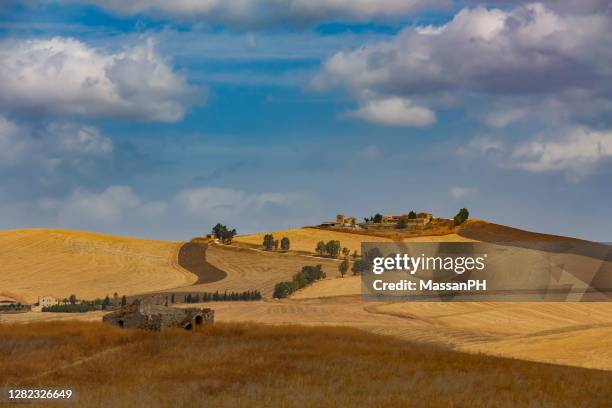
341	222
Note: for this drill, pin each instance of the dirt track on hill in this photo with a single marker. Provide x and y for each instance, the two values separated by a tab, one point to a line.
192	256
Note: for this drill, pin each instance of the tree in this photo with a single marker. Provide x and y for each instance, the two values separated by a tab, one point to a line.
461	216
72	299
333	248
282	290
223	234
123	300
321	249
358	266
377	218
217	230
106	303
276	244
412	215
355	255
343	267
285	244
403	222
268	242
346	252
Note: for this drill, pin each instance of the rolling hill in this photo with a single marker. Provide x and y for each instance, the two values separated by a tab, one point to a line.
54	262
58	263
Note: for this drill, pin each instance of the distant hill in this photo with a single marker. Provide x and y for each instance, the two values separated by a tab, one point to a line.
47	262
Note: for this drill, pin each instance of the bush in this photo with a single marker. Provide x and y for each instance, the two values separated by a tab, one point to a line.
305	277
403	222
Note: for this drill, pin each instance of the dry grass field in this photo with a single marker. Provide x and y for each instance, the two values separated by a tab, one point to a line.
231	365
248	269
305	239
41	262
581	333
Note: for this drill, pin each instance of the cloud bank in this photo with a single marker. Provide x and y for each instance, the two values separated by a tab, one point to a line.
66	76
250	13
530	51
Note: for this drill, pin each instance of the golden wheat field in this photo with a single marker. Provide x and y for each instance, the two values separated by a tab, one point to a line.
230	365
578	334
305	239
40	262
255	270
58	263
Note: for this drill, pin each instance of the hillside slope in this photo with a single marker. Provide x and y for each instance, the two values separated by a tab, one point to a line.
305	239
248	269
45	262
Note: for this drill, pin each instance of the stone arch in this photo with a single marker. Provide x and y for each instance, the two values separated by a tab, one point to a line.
120	323
198	320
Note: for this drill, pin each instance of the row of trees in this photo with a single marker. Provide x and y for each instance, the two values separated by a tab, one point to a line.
359	265
74	305
305	277
269	243
377	218
218	297
223	233
330	248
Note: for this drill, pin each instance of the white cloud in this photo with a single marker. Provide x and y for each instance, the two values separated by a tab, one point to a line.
530	50
458	193
266	12
576	153
394	112
66	76
84	208
501	119
51	145
215	202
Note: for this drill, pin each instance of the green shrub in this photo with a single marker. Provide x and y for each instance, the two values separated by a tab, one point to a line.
305	277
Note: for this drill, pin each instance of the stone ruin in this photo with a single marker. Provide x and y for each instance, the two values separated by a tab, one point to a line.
150	315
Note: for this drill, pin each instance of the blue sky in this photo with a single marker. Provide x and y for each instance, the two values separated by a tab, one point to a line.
158	119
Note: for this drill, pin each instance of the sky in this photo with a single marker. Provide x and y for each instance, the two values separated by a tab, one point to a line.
159	119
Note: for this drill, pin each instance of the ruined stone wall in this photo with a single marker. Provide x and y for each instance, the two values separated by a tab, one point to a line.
150	316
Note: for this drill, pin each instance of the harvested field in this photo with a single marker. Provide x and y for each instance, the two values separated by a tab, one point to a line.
581	332
489	232
248	269
347	286
42	262
305	239
256	365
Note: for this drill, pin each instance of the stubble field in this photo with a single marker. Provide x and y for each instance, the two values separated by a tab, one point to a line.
256	365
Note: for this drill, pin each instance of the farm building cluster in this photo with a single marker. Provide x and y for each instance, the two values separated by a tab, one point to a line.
416	221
